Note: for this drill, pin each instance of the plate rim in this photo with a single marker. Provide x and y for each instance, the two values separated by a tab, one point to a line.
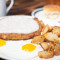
5	56
15	15
36	10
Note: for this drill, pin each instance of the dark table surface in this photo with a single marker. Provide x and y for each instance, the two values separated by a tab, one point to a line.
25	7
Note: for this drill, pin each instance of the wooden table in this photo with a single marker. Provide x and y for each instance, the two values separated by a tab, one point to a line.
25	7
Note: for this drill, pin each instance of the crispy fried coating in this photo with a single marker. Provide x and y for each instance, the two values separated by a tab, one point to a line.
44	45
50	36
38	39
49	41
56	30
51	46
46	29
57	40
50	28
46	54
57	49
42	24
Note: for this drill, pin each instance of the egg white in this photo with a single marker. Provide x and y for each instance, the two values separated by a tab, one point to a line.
14	49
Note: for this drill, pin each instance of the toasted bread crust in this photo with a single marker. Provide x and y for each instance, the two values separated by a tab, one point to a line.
18	36
52	8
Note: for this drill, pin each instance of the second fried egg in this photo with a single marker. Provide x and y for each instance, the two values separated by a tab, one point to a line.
20	49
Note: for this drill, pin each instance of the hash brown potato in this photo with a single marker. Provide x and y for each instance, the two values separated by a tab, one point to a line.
51	46
44	45
49	41
56	30
57	49
38	39
46	54
50	36
46	29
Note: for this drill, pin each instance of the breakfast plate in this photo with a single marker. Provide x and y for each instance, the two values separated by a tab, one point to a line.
12	49
34	58
20	24
39	13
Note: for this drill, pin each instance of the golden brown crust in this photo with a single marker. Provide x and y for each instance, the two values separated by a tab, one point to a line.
42	24
52	8
44	45
51	46
46	54
17	36
51	37
38	39
56	30
57	49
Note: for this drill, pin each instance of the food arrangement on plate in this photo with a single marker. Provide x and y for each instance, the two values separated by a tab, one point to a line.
19	27
49	14
16	34
29	38
49	41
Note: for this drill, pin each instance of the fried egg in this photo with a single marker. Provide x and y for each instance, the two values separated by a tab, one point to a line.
2	42
20	49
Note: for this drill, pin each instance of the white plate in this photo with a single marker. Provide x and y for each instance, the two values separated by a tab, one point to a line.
39	13
37	58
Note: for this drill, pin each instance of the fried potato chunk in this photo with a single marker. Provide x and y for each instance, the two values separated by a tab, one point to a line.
57	49
38	39
46	54
57	40
51	46
46	29
50	36
56	30
44	45
50	28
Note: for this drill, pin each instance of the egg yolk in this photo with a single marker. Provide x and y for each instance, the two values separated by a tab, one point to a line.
2	42
29	47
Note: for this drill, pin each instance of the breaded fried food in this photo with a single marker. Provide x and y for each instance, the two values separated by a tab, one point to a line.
42	24
50	36
46	54
57	40
44	45
51	46
46	29
21	36
38	39
57	49
56	30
